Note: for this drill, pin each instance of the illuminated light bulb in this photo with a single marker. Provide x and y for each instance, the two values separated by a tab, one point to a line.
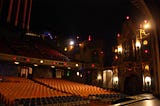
127	17
77	65
101	52
145	42
65	63
53	63
146	51
89	38
71	43
65	49
41	61
16	62
145	21
93	65
28	59
77	37
77	73
118	35
69	68
52	66
35	65
116	57
146	67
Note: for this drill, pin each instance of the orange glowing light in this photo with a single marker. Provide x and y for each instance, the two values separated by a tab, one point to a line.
93	65
28	60
65	63
53	63
14	58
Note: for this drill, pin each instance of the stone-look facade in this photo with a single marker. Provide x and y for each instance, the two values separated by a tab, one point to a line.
139	64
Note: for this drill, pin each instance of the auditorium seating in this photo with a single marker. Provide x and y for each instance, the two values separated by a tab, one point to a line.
16	91
53	54
21	47
31	48
74	88
16	79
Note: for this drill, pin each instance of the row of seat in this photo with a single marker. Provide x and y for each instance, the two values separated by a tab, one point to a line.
52	101
54	54
82	90
16	79
21	91
16	90
25	47
9	91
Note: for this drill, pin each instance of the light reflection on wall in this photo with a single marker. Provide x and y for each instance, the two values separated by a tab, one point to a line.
107	78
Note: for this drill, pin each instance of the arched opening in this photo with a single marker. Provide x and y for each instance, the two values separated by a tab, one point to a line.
133	85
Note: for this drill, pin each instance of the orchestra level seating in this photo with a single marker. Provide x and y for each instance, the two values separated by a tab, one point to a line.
17	91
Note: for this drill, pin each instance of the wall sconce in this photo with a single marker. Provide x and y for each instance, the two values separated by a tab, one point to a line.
148	80
99	77
120	49
138	44
147	83
115	80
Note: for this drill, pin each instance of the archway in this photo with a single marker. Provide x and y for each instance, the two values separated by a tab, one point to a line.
133	85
